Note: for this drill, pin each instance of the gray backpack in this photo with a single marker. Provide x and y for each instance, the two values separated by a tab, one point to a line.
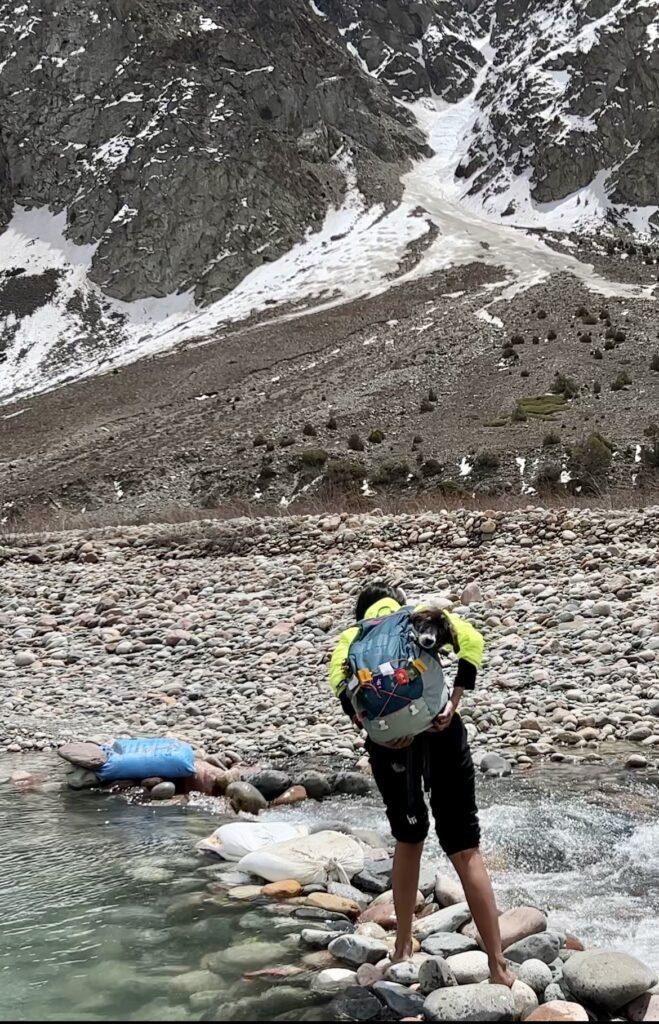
396	688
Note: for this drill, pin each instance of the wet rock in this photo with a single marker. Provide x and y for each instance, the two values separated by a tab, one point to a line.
400	999
292	795
244	892
281	890
355	1004
332	980
375	877
449	919
435	973
536	975
358	949
368	974
245	797
337	904
155	780
383	914
80	778
316	784
163	791
470	1003
270	782
353	783
244	956
185	985
543	946
636	761
606	978
494	764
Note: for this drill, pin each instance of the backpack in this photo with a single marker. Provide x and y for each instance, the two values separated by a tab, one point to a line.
396	688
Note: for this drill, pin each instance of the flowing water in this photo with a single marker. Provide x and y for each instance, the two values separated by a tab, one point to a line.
97	896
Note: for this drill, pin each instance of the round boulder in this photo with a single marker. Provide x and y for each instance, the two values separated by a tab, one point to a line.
536	975
245	797
270	782
559	1011
316	784
606	978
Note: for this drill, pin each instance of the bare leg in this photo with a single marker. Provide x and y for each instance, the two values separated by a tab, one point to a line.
405	884
478	891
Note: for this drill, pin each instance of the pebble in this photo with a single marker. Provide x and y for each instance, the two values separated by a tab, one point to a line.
358	949
162	791
536	975
449	919
145	653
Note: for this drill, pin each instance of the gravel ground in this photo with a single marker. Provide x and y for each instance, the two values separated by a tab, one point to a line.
220	632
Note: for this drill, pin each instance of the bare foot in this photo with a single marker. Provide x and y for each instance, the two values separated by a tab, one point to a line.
500	975
402	950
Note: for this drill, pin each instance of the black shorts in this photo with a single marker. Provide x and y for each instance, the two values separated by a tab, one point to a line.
440	763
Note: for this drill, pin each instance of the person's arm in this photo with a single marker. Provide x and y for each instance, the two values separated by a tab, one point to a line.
470	645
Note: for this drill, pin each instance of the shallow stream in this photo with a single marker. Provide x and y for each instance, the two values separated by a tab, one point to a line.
90	888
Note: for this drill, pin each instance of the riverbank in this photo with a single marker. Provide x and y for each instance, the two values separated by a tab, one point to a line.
577	842
220	632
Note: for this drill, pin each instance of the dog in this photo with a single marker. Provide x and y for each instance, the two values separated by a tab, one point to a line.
433	631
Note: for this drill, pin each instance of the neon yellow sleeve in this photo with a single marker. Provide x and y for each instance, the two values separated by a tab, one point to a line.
470	641
337	676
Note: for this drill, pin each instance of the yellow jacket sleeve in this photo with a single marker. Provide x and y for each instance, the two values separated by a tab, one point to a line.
337	675
470	642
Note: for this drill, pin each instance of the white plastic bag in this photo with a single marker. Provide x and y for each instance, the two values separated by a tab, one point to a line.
315	859
238	838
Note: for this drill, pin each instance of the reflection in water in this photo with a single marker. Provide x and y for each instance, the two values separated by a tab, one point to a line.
106	907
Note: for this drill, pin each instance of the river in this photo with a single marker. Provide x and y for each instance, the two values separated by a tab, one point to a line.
89	882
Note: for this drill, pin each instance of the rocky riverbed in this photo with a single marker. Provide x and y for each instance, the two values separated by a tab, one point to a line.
219	632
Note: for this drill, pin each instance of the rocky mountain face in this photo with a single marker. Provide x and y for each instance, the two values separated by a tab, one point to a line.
188	142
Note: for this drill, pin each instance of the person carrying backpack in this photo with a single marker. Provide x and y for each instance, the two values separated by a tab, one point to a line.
386	672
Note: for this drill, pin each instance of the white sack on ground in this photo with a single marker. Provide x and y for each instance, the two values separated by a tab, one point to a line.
308	859
238	838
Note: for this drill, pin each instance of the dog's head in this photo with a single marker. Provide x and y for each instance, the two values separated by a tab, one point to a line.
433	630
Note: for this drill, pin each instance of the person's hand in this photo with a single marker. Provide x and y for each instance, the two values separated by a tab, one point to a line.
443	719
398	744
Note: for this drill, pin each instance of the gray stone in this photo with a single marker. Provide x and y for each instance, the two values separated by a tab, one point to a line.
435	973
607	979
545	946
470	968
270	782
83	755
358	949
524	998
245	797
536	975
163	791
80	778
449	919
355	1004
470	1003
353	783
448	944
332	980
316	784
495	764
399	998
553	993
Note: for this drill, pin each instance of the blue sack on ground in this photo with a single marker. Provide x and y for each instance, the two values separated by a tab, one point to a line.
145	758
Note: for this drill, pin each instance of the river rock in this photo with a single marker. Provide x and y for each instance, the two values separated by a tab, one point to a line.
84	755
559	1011
495	764
470	968
434	973
383	914
316	784
270	782
448	944
163	791
358	949
337	904
607	978
514	925
245	797
184	985
552	993
355	1003
470	1003
448	890
292	795
353	783
281	890
643	1008
400	999
80	778
536	975
524	998
543	946
349	892
406	972
368	974
332	980
449	919
244	956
